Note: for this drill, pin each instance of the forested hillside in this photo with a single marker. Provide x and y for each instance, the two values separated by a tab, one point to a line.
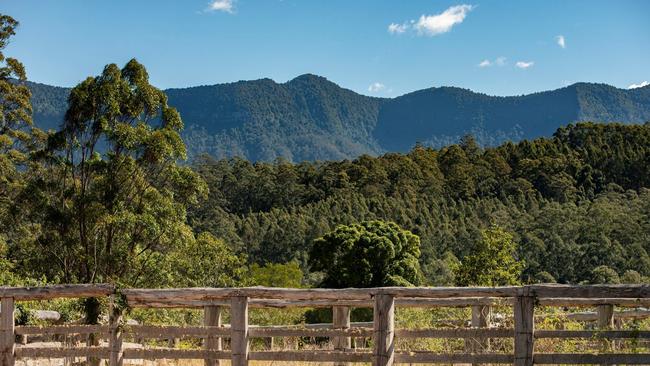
311	118
574	202
307	118
49	104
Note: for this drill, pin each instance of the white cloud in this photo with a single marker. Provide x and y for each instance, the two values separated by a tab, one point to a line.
485	63
561	41
499	61
227	6
394	28
432	25
376	87
639	85
524	64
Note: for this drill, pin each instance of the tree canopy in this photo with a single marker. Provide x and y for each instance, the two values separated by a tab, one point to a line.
106	191
369	254
17	139
572	202
492	261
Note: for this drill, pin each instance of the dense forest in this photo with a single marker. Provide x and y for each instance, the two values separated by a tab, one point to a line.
573	202
312	118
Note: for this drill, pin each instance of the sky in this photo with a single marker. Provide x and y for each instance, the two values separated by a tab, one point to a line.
375	47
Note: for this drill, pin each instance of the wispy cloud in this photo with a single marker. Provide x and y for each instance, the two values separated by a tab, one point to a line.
561	41
394	28
227	6
435	24
524	64
376	87
499	61
485	63
639	85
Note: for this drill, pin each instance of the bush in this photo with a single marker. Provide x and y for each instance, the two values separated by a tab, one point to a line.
604	275
544	277
631	276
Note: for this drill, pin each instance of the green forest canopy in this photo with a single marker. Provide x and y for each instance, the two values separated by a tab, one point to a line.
577	206
572	202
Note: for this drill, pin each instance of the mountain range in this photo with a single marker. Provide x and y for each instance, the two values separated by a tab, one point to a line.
312	118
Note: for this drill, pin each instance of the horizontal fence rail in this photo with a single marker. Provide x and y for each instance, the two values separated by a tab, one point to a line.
383	330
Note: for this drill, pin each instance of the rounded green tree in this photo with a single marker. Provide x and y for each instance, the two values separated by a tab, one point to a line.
604	275
631	276
369	254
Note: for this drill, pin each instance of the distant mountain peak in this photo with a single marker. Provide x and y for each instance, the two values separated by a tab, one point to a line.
308	77
311	79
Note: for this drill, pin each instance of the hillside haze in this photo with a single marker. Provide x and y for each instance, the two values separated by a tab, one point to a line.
311	118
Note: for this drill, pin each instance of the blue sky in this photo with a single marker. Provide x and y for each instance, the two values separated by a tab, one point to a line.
382	48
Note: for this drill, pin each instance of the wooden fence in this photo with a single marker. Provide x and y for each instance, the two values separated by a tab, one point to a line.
523	301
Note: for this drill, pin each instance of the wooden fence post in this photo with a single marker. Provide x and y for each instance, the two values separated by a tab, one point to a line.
605	316
116	356
212	318
480	319
7	334
239	329
341	320
383	330
606	322
524	309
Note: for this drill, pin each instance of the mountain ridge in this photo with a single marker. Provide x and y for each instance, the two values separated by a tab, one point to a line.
312	118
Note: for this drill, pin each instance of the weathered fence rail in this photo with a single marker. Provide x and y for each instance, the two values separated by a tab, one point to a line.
523	300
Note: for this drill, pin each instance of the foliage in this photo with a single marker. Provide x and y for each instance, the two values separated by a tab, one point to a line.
7	273
369	254
106	195
604	275
631	276
287	275
572	202
15	105
15	120
492	261
443	270
544	277
204	262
